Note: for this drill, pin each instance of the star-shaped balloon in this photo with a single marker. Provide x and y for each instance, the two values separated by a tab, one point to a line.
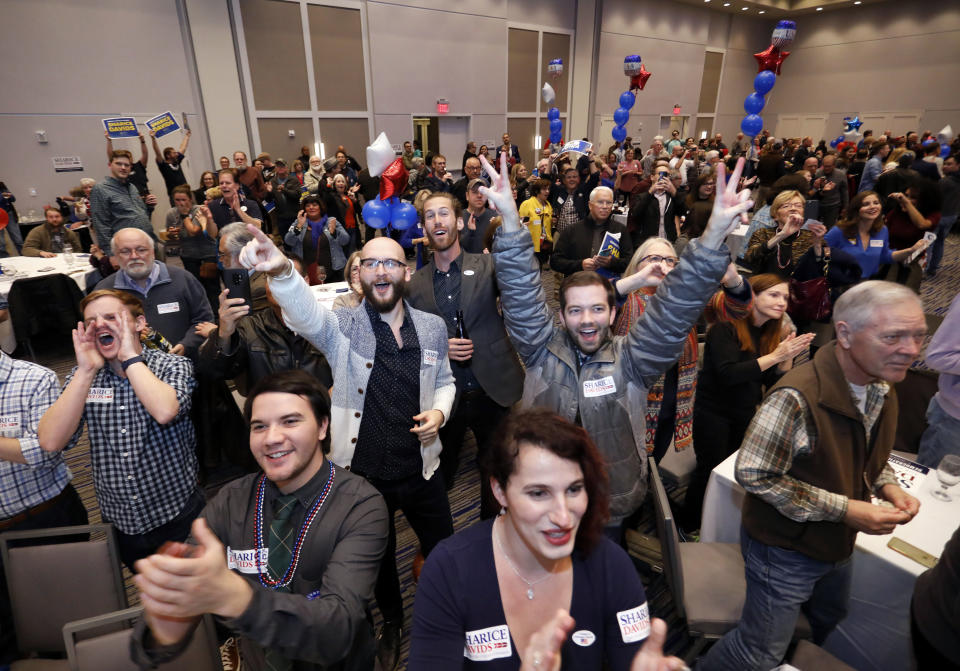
771	59
639	80
855	123
393	181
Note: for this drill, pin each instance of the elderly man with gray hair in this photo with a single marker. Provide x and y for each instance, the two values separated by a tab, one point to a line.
580	247
174	301
815	453
233	238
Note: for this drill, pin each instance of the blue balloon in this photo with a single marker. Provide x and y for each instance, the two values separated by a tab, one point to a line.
619	133
751	125
627	99
944	150
754	103
556	126
403	216
621	116
553	113
556	138
763	82
376	213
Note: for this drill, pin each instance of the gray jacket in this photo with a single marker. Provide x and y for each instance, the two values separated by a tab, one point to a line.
610	389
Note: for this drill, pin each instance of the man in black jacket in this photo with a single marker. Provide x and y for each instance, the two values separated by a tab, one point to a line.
569	197
579	247
652	213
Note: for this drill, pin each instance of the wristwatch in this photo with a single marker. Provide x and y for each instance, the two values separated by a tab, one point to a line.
132	360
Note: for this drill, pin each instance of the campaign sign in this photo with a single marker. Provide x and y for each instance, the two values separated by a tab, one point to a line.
163	124
577	146
122	126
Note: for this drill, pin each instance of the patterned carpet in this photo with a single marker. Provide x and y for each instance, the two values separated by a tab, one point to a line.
937	294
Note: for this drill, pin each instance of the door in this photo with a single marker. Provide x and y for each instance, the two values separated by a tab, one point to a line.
452	134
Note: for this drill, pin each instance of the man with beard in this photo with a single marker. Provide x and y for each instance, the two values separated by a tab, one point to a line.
485	366
135	402
392	391
174	300
577	369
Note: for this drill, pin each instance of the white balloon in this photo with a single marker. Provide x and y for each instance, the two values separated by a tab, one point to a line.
380	155
548	94
852	136
945	135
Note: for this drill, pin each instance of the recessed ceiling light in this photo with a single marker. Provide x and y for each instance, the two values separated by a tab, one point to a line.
726	4
743	9
706	0
762	11
857	2
819	9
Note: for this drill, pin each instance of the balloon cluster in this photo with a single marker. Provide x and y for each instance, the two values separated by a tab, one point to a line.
945	137
554	69
633	68
388	209
851	132
769	62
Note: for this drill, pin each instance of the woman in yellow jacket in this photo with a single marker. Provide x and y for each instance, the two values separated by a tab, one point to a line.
537	213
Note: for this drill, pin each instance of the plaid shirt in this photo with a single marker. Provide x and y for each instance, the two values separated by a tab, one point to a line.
782	429
26	391
143	472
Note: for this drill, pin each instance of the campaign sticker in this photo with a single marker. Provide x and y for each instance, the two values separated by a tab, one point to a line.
247	561
100	395
430	357
10	426
482	645
601	387
167	308
634	623
584	638
468	272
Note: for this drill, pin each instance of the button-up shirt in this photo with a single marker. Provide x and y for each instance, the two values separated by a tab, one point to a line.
446	292
143	471
26	392
386	449
116	205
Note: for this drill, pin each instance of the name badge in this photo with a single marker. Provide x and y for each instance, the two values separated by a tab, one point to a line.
876	243
10	426
100	395
559	201
634	623
483	645
430	357
167	308
601	387
584	638
247	561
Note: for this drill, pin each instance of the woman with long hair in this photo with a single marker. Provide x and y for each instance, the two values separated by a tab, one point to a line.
208	180
863	235
298	170
519	176
670	399
777	250
487	591
699	204
351	274
742	356
349	213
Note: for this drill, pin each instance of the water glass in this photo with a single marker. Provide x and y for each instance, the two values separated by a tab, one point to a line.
948	472
68	255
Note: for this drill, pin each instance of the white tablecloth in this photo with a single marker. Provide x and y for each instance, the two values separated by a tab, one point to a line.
876	632
327	293
37	266
620	218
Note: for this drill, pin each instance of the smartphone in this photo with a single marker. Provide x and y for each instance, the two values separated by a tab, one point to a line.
237	282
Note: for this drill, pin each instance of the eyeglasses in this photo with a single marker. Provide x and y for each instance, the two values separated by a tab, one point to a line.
656	258
140	251
388	264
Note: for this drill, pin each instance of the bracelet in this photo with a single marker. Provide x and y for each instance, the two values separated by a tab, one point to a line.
132	360
287	273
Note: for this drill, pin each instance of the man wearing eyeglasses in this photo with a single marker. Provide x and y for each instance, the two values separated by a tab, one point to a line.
392	391
174	300
580	246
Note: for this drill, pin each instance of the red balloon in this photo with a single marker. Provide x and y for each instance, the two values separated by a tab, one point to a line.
393	181
639	80
4	219
771	59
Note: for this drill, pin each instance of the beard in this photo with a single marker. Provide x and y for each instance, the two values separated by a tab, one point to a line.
139	270
386	303
444	241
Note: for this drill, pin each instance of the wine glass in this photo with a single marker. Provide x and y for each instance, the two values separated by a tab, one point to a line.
949	474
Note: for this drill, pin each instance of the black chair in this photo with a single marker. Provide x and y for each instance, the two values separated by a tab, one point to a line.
48	306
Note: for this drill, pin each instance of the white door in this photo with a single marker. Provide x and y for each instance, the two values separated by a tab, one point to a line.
453	132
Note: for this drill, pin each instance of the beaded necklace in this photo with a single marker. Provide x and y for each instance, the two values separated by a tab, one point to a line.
264	576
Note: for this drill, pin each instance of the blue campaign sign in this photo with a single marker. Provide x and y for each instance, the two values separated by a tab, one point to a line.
163	124
122	126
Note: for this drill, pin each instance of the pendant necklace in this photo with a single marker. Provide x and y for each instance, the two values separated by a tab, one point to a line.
529	583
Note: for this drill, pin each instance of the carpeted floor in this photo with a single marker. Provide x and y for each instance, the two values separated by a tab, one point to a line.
937	294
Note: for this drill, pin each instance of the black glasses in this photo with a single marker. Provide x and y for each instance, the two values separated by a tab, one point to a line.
656	258
388	264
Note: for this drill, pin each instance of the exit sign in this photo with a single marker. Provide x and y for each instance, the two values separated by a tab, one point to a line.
443	106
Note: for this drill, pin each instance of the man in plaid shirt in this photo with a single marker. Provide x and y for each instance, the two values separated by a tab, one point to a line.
815	453
136	404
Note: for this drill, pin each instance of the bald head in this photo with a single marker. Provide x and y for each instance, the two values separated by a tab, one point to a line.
383	273
382	248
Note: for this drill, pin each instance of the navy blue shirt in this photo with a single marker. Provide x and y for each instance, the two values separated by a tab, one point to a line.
459	623
386	449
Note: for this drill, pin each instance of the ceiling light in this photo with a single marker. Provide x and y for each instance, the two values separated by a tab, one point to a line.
726	4
706	0
857	2
762	11
819	9
743	9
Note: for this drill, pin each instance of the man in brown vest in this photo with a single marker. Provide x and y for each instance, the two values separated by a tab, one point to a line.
814	454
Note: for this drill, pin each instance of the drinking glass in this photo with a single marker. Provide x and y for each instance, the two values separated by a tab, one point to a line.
949	474
68	255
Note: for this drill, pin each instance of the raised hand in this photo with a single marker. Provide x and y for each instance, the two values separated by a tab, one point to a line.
88	356
500	195
128	337
262	255
792	345
729	207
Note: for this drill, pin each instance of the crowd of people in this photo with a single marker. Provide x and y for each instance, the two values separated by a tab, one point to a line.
361	410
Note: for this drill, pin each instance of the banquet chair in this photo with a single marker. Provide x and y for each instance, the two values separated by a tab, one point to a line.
706	580
66	574
89	649
48	305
